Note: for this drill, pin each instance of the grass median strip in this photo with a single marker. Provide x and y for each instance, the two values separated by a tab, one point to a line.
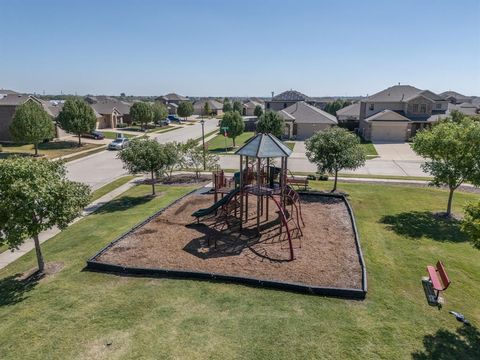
97	194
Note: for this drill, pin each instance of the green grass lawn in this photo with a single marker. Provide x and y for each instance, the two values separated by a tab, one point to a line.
52	149
113	135
369	148
97	194
74	313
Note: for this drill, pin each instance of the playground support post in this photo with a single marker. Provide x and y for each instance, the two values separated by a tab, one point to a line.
241	190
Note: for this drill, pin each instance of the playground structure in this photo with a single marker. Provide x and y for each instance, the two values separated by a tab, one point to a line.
260	179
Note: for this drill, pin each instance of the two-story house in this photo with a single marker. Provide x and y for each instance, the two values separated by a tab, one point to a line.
397	113
286	99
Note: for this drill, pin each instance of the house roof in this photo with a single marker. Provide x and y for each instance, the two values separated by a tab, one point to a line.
399	93
285	115
16	99
7	92
350	110
251	104
454	94
264	146
174	97
465	108
387	115
108	106
309	114
290	95
214	104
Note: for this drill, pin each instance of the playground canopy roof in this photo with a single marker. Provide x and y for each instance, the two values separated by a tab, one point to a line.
264	146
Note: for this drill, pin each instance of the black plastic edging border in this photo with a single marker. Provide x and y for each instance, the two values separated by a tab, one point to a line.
347	293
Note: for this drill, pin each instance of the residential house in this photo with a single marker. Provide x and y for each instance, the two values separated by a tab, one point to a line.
216	107
111	110
349	116
249	107
465	108
454	97
397	113
302	120
285	99
171	101
10	101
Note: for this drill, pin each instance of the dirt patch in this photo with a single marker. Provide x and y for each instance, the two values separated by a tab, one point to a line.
51	268
325	255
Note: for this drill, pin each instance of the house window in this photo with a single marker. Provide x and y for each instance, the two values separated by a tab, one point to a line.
284	105
268	105
415	108
439	106
423	108
371	107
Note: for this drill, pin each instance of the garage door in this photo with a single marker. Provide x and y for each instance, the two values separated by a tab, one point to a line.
389	132
304	131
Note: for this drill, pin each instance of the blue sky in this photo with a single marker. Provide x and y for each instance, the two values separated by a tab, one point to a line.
244	48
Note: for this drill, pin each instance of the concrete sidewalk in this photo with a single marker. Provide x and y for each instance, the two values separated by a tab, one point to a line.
8	256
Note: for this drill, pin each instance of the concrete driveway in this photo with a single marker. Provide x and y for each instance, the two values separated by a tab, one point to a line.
398	152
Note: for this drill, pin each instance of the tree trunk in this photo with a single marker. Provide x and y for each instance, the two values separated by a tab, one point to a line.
153	184
233	142
335	181
40	261
36	148
449	206
79	140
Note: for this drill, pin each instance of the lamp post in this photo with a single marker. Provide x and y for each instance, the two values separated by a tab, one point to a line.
203	143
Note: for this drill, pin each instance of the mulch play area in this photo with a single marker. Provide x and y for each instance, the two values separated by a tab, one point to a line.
327	257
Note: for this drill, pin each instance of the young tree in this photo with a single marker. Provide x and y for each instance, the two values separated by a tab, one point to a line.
142	113
335	149
237	106
193	158
159	112
206	109
233	121
36	195
452	154
227	105
336	105
77	117
471	223
145	155
258	111
31	124
175	153
185	109
271	122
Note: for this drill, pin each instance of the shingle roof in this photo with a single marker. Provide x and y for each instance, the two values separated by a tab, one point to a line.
285	115
309	114
7	92
264	146
107	106
290	95
15	99
214	104
350	110
387	115
251	104
175	97
454	94
399	93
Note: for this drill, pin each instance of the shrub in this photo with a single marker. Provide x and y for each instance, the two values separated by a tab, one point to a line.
122	125
471	223
323	177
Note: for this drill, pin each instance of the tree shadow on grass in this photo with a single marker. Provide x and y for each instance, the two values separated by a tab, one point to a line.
416	224
124	203
463	344
14	288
